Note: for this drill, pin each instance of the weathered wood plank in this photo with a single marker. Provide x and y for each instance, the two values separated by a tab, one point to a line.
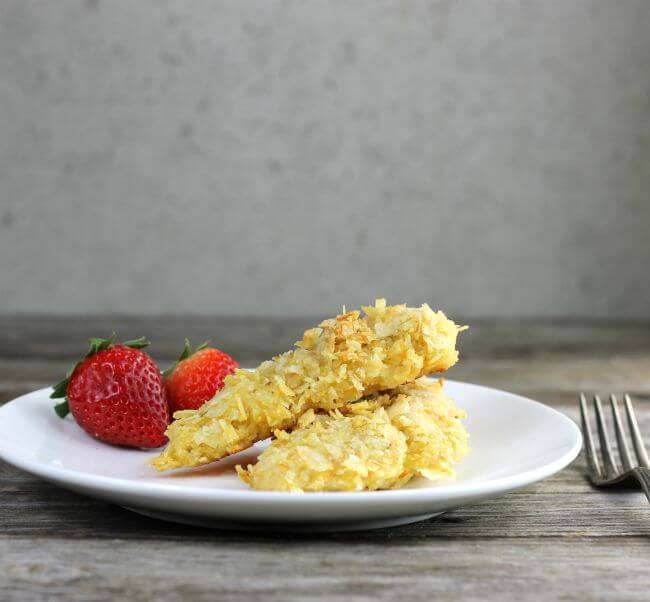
37	511
567	373
505	570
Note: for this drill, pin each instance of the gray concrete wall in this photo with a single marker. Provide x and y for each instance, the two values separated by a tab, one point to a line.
286	157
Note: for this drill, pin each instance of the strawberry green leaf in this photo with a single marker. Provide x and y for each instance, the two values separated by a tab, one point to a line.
98	344
140	343
202	346
62	409
186	353
60	389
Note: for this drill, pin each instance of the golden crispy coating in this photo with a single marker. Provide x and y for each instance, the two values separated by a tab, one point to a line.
379	443
332	453
340	361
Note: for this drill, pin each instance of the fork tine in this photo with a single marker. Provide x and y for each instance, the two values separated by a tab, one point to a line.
623	448
605	447
637	439
590	450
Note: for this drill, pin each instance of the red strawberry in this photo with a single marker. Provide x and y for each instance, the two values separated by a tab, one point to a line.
196	376
116	394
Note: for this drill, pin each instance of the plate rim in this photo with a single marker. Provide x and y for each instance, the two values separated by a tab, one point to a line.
109	484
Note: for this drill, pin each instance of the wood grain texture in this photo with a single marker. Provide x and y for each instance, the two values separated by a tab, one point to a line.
527	569
559	539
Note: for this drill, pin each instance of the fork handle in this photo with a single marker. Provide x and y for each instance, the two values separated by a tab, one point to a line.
643	476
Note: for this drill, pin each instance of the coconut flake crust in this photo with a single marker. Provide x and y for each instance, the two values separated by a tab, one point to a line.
338	362
380	442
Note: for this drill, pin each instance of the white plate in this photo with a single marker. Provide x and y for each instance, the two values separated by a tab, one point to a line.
514	442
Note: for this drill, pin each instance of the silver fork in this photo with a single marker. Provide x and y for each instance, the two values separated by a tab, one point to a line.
637	468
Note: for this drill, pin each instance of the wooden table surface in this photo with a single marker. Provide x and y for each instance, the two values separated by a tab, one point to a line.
558	539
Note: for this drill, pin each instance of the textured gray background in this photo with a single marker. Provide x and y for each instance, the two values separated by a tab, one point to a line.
283	157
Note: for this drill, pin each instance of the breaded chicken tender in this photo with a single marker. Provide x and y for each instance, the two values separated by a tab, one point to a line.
380	442
338	362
